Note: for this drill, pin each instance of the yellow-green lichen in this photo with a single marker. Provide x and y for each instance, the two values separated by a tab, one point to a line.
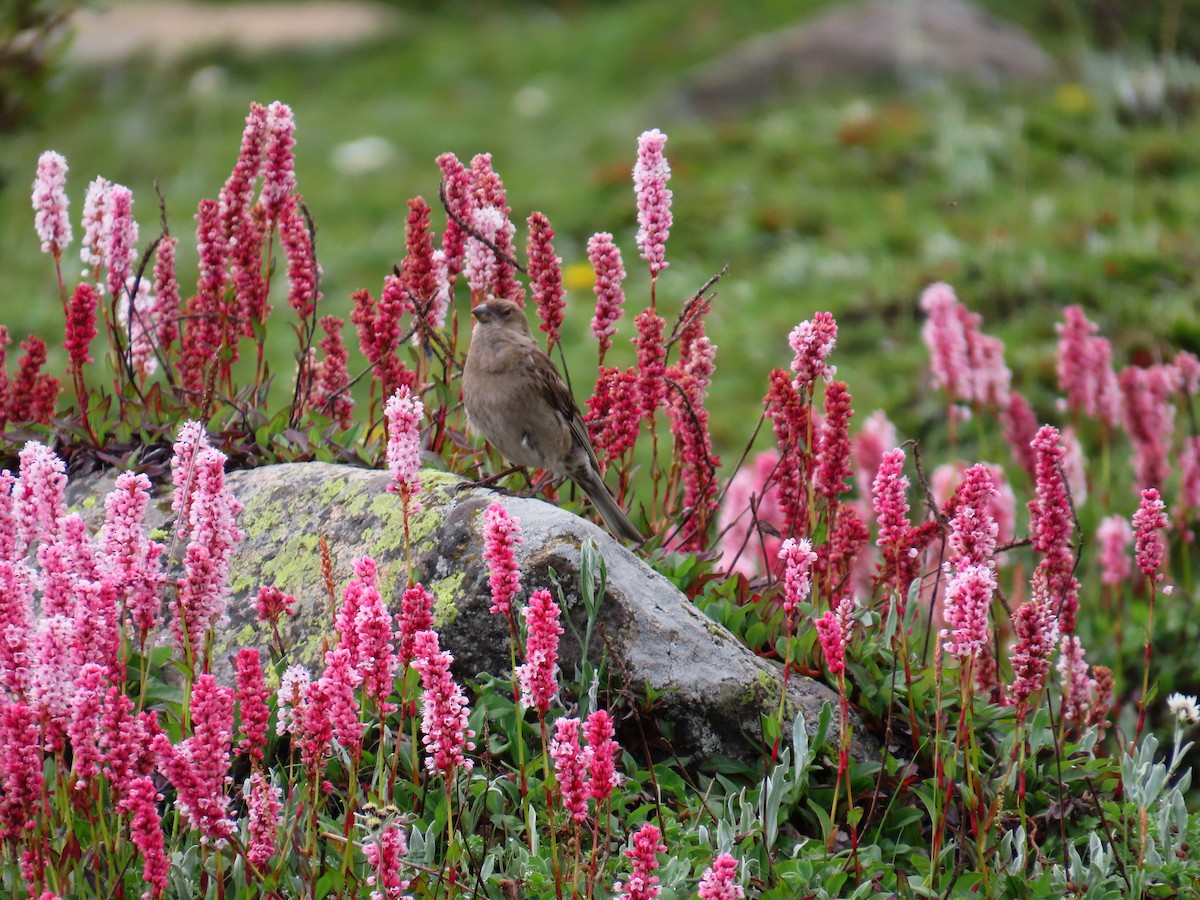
291	565
446	594
390	579
330	490
350	500
247	637
262	515
765	684
308	651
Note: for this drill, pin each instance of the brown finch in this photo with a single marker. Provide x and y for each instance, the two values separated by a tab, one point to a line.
517	401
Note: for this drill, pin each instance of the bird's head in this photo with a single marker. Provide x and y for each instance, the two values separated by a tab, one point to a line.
498	313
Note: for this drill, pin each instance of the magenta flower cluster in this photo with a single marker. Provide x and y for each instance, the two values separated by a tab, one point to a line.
404	413
719	881
798	557
501	534
969	593
605	257
50	203
445	711
650	176
812	342
834	628
1148	521
642	883
538	675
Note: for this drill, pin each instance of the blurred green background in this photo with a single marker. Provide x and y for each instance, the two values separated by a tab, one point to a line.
849	197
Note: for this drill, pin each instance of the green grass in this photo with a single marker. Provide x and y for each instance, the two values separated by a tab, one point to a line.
840	200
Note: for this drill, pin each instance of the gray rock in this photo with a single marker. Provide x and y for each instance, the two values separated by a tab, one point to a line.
873	40
713	689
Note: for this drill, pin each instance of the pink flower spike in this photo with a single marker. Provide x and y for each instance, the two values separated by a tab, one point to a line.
81	325
39	503
798	557
1082	371
120	250
52	680
812	342
1189	478
1020	428
501	534
1148	521
279	163
614	414
480	266
197	767
82	729
374	654
404	414
16	618
1078	688
136	311
336	685
384	855
833	632
1050	512
213	539
650	176
719	880
251	695
1114	536
968	600
877	436
95	232
132	560
290	699
890	502
605	258
416	615
328	381
21	774
1036	628
602	752
203	326
445	712
146	832
458	184
32	393
570	767
1149	419
651	361
538	675
946	338
642	883
264	802
545	277
973	530
833	443
417	270
271	603
51	221
303	270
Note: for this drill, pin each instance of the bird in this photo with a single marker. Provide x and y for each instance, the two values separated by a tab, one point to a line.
516	400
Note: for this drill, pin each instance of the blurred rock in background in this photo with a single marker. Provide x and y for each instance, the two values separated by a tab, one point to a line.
869	41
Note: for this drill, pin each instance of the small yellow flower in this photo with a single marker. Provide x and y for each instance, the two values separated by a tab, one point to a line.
578	276
1074	99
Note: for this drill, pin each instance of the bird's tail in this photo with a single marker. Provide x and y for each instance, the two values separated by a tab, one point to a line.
606	504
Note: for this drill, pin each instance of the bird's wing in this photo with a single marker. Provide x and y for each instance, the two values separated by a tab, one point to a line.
561	400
